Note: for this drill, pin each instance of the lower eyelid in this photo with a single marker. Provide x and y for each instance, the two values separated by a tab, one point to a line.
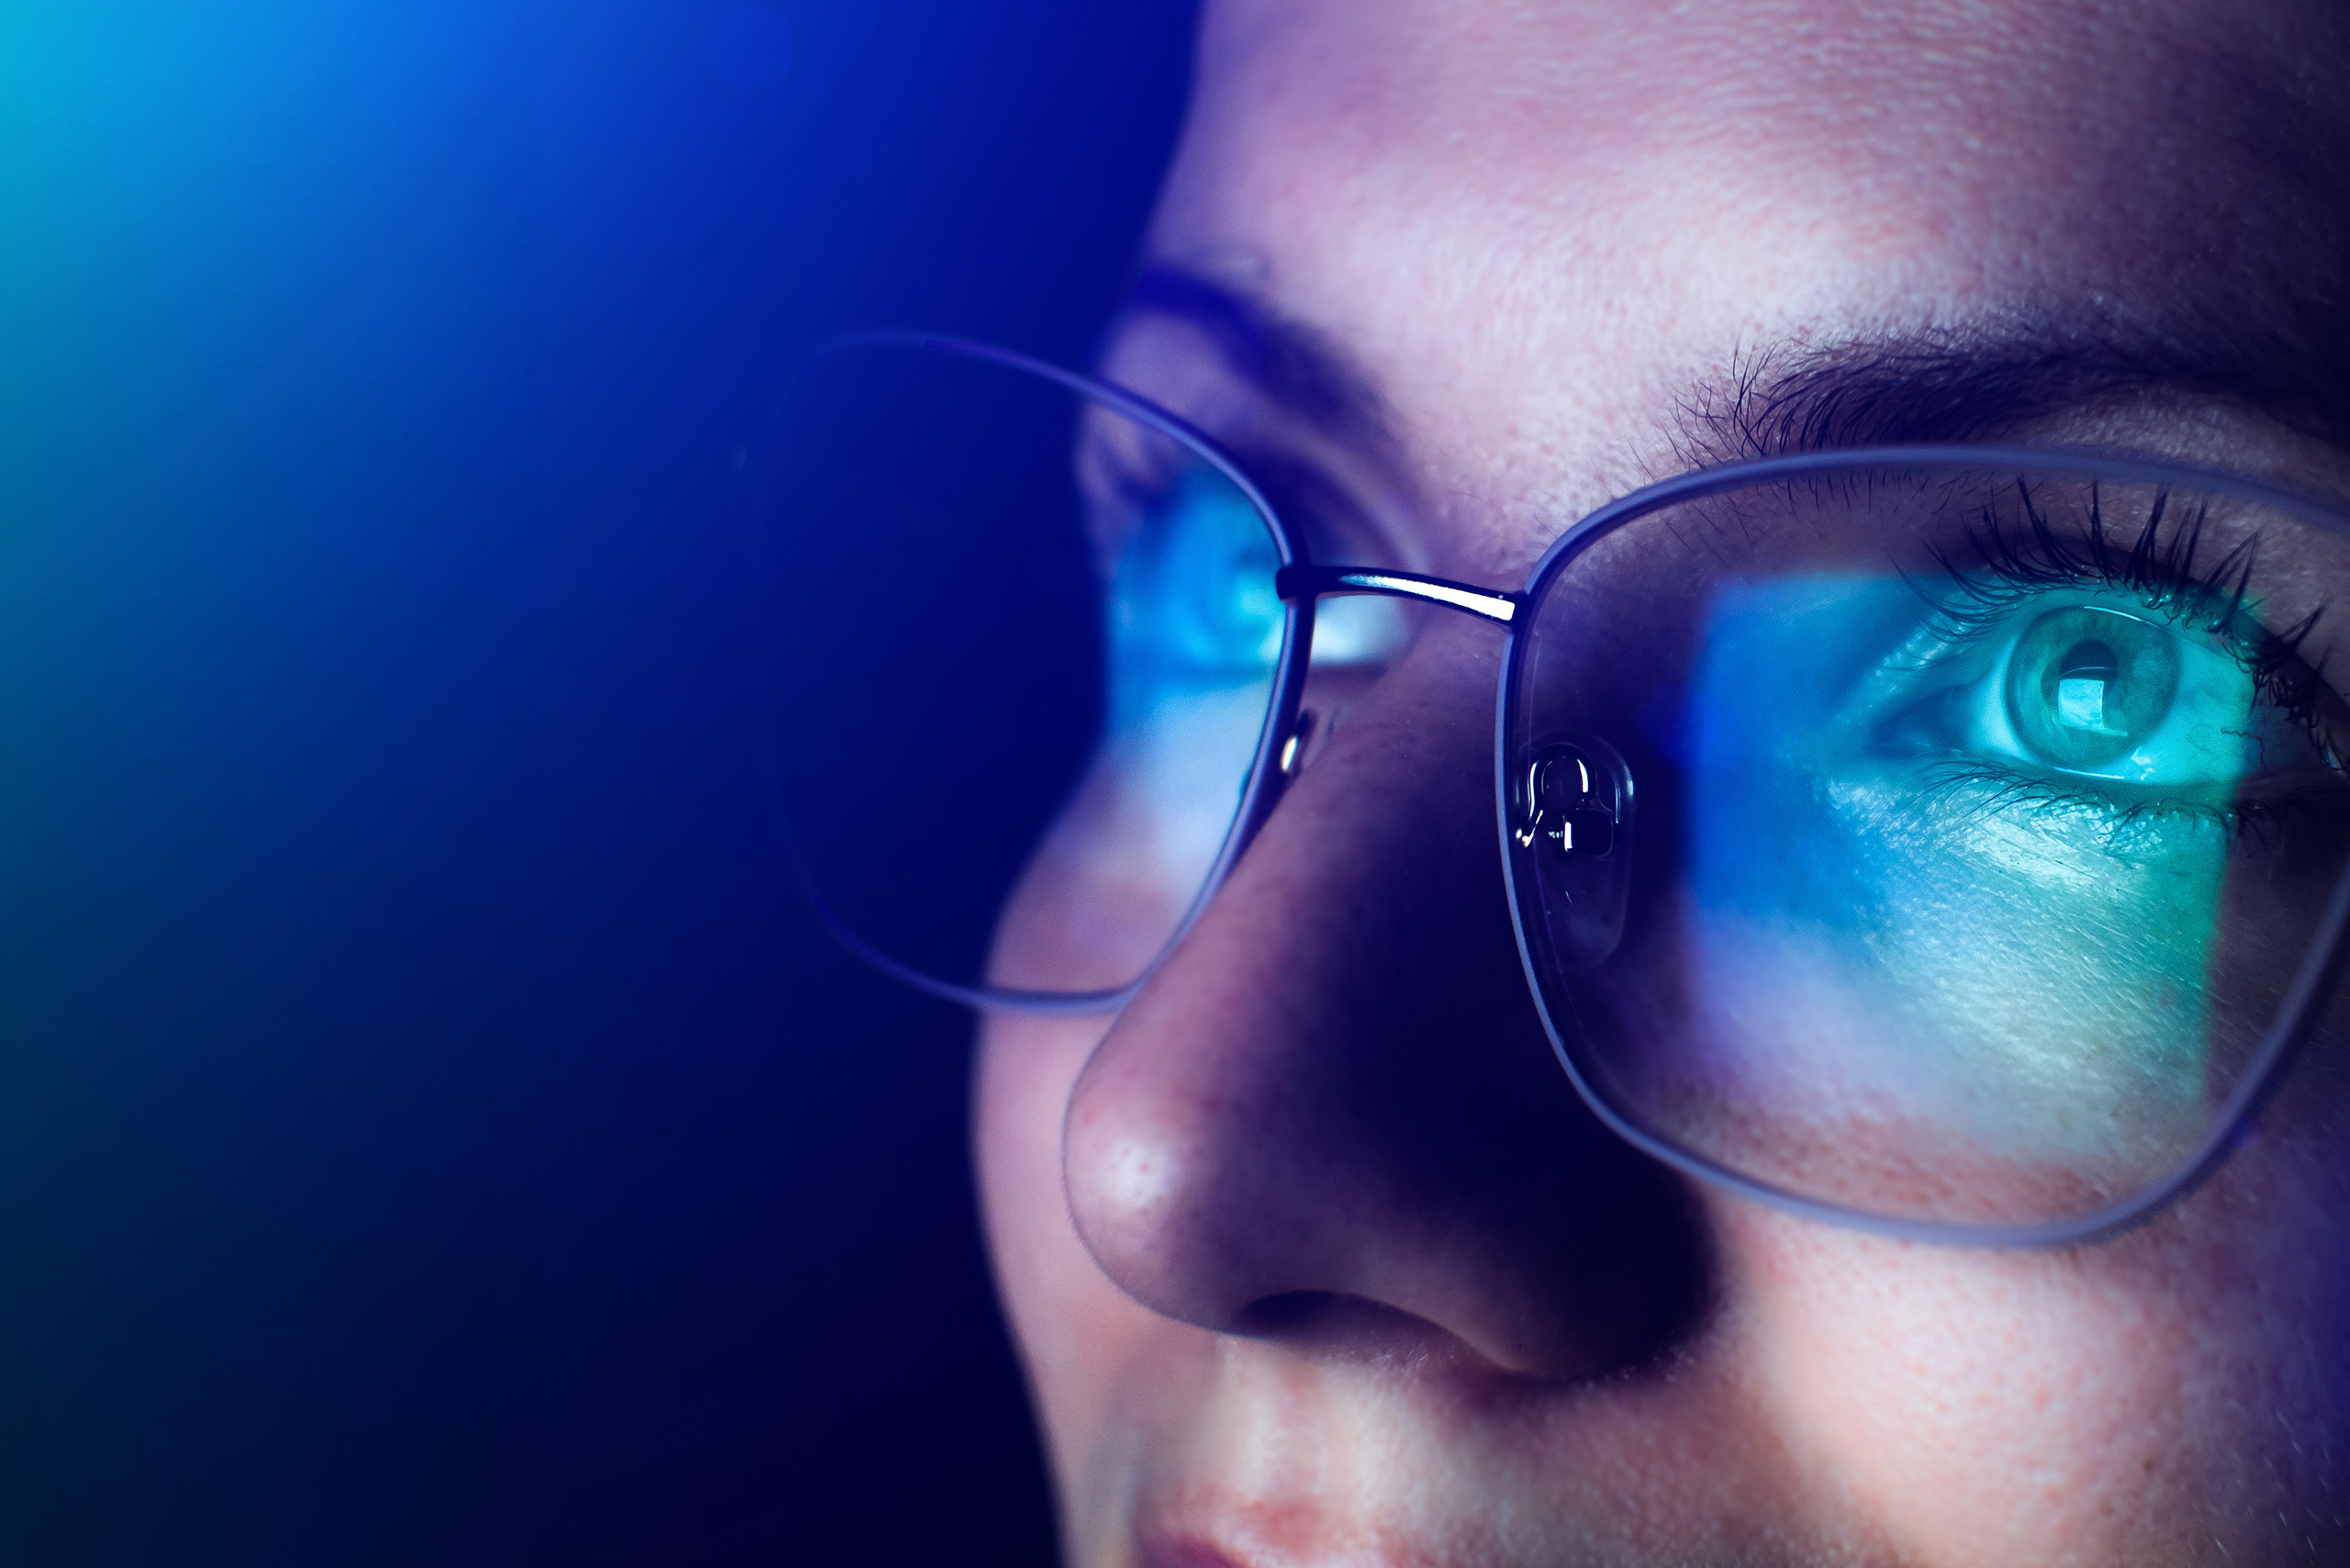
2058	803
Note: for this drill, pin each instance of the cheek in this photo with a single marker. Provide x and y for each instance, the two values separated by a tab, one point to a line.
1961	1400
1077	1331
2116	1403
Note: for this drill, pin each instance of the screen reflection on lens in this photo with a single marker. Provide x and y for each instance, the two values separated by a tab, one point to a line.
1999	814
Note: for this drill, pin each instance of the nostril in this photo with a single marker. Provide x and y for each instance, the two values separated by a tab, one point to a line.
1348	1327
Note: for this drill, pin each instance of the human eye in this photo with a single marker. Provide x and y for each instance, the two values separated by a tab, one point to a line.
1193	616
1190	599
1193	630
2088	691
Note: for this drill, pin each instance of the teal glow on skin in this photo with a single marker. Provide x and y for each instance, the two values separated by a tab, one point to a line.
1977	975
1941	973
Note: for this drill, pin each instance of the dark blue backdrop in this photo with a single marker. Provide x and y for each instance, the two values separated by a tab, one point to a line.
430	1131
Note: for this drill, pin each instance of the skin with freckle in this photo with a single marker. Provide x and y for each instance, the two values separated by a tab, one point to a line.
1313	1253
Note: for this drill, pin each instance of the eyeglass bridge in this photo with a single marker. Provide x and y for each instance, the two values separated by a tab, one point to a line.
1318	582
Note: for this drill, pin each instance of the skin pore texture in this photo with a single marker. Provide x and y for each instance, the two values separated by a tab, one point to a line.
1314	1255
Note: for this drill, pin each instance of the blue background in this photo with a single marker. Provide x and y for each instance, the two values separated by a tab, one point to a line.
430	1129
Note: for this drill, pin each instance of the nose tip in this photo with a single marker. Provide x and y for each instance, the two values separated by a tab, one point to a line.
1333	1116
1192	1187
1242	1208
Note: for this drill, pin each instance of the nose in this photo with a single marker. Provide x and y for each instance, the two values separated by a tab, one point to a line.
1332	1116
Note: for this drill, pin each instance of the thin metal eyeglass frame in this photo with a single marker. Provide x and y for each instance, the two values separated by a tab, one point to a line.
1265	779
1301	582
2314	981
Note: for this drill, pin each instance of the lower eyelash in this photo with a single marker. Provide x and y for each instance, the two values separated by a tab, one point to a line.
2039	796
2127	824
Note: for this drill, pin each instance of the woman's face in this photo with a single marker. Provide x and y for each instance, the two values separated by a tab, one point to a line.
1313	1253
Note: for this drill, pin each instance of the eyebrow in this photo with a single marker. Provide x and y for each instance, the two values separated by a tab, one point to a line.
1295	366
1948	384
1974	381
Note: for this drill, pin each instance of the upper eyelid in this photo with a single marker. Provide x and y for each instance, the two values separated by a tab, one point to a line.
2272	657
1321	509
2187	604
1319	478
2166	558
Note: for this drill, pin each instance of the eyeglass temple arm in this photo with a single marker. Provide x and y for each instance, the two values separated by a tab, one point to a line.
1316	582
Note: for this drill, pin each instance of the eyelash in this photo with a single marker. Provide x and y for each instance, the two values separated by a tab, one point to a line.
2159	569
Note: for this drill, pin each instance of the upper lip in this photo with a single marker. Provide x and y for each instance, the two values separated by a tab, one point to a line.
1184	1551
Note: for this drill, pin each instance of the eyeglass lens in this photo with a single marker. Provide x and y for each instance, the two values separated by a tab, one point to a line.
1027	655
1983	820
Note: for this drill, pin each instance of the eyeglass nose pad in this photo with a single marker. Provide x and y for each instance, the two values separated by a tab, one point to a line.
1574	821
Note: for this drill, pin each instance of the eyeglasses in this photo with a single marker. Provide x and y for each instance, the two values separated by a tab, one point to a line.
1949	842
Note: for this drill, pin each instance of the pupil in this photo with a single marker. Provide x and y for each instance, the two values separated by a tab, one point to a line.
2089	661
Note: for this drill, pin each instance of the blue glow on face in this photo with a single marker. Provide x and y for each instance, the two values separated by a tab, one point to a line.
1965	922
1762	835
1191	606
1194	636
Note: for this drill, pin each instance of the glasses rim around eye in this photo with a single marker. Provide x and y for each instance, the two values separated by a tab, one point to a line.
1301	582
1265	777
2315	980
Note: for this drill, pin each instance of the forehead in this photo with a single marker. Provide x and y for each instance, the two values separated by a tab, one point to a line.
1534	226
